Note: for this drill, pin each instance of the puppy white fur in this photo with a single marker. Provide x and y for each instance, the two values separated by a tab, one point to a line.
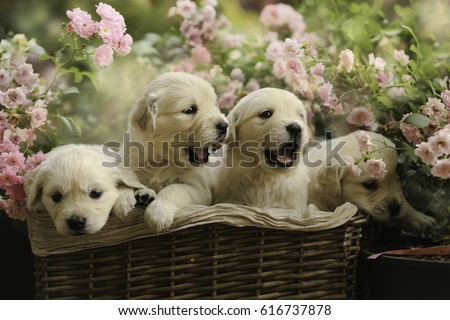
262	166
175	122
332	183
78	192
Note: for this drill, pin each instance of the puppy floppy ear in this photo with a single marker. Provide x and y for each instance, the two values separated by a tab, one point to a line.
233	119
144	113
329	179
34	179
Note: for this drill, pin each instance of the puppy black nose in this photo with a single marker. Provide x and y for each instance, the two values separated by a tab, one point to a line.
394	209
222	127
76	223
294	129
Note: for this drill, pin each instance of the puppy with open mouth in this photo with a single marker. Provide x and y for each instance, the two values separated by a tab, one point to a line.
75	187
173	128
262	166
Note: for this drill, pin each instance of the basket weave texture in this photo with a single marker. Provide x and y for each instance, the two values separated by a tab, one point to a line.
207	261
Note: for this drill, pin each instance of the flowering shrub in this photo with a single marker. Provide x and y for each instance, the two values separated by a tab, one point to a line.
380	77
29	105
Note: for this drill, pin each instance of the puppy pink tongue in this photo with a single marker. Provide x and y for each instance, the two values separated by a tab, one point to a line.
283	159
201	153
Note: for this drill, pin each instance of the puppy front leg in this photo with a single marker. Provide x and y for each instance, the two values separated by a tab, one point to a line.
415	221
160	213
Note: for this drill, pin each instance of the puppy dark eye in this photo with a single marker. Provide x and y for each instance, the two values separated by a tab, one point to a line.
95	194
266	114
370	185
57	197
191	110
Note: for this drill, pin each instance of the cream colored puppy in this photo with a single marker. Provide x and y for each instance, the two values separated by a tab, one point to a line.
262	165
172	128
79	192
332	182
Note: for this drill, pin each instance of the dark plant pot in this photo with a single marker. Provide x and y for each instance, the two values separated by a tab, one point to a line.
402	277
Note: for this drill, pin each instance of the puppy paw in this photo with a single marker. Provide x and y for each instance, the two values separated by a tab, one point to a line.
158	216
144	197
416	222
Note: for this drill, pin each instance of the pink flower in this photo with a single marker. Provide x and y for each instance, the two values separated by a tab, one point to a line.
295	66
5	79
445	95
8	146
273	15
184	8
434	108
364	142
38	117
347	60
378	63
411	133
252	85
24	75
103	55
274	50
318	70
106	12
34	160
424	152
13	160
9	178
278	15
201	55
325	92
401	57
81	22
234	40
123	46
16	192
186	65
376	168
384	78
16	209
291	48
440	143
360	117
226	101
111	32
13	98
350	162
279	68
441	169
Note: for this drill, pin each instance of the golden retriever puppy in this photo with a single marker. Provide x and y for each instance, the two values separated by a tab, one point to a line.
262	166
333	183
75	187
173	128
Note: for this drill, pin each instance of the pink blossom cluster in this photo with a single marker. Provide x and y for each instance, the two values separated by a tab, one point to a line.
375	167
200	26
278	17
111	29
23	111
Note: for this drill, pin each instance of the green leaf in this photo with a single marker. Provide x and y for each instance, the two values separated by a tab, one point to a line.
44	56
71	90
78	77
417	120
386	101
410	151
66	122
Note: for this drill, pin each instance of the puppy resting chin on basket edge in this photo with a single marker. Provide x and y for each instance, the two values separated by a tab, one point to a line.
333	183
79	192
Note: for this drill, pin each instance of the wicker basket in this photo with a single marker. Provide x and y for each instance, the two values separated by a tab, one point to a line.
205	261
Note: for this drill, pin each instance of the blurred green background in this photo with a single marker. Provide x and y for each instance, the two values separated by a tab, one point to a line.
102	113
